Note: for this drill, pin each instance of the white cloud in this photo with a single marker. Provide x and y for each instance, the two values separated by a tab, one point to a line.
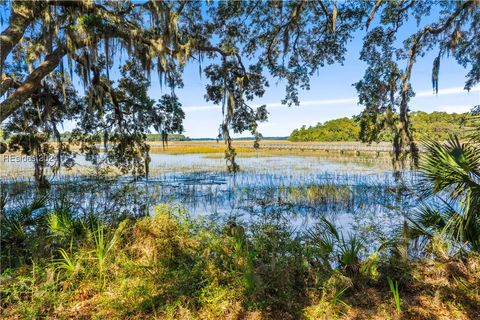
353	100
201	108
446	91
459	108
319	102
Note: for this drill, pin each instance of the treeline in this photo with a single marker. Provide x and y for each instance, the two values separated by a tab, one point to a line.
171	137
150	136
435	125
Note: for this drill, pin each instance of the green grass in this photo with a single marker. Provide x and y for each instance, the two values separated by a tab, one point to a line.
171	266
396	295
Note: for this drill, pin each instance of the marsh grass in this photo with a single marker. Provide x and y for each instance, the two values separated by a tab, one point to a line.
171	264
208	150
268	243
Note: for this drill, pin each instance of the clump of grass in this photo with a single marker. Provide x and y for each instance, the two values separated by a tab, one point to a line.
171	265
396	295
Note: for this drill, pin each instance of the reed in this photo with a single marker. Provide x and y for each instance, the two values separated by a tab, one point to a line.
396	295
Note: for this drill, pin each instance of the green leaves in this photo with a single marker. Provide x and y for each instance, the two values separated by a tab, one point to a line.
70	264
329	242
451	171
61	223
453	165
396	296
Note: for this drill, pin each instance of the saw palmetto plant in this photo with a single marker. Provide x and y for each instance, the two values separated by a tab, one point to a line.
451	172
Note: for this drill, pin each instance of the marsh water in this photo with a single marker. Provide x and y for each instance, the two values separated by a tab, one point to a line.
354	192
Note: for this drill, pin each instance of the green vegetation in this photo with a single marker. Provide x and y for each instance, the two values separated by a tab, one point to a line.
343	129
171	137
112	254
396	296
57	263
172	266
436	125
285	42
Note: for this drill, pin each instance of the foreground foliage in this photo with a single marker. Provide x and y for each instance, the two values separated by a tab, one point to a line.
172	266
60	264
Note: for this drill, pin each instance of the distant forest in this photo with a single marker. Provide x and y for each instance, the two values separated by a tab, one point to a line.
171	137
436	125
149	137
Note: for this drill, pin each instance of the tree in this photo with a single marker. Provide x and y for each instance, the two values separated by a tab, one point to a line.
343	129
437	126
163	36
33	127
385	90
170	115
122	119
239	41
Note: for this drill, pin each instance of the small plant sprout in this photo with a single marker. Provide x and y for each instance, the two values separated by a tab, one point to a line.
394	290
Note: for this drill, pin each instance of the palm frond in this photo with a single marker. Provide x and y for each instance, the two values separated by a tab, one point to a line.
452	167
323	235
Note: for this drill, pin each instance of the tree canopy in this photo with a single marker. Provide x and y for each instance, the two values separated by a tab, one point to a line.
437	126
343	129
236	44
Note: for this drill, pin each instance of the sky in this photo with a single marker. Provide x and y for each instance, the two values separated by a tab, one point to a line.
331	95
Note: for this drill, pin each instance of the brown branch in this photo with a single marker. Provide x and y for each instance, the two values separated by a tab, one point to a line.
31	83
324	9
372	14
224	54
182	5
7	82
20	18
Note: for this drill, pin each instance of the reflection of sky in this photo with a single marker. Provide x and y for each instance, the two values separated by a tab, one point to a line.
350	187
162	163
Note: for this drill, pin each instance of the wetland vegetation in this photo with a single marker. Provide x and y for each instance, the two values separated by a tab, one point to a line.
436	125
280	240
122	216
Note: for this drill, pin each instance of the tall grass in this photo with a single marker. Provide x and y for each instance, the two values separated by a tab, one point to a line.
396	295
74	253
104	243
172	265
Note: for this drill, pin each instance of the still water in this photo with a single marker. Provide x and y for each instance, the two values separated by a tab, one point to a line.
353	192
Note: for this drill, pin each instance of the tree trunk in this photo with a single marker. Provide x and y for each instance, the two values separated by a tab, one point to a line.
31	84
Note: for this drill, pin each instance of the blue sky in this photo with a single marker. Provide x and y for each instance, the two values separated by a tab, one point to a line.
331	96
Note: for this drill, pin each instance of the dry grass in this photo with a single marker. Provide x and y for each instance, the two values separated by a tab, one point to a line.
440	290
169	266
268	148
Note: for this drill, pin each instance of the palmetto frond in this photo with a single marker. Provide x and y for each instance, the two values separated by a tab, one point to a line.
473	125
452	171
453	167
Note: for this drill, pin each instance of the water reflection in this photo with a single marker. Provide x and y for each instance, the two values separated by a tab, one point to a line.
295	189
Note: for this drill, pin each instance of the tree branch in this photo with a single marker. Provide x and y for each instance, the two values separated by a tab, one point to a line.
404	129
31	84
21	17
7	82
372	14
